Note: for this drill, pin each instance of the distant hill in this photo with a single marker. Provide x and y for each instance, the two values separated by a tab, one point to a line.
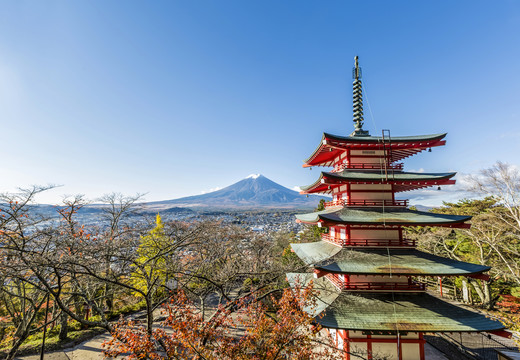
253	192
423	208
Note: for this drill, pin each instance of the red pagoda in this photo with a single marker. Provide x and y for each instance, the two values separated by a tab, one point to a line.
365	270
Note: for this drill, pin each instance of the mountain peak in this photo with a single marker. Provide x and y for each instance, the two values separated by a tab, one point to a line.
254	192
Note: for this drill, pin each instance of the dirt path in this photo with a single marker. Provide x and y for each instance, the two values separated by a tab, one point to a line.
88	350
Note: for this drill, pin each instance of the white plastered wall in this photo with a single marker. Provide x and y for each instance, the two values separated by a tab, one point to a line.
386	349
411	351
359	195
357	159
374	234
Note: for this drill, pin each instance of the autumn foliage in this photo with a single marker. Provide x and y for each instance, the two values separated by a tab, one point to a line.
509	303
246	329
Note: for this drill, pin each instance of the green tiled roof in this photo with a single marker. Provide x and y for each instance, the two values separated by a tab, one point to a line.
379	216
331	258
402	312
315	252
392	312
393	139
369	176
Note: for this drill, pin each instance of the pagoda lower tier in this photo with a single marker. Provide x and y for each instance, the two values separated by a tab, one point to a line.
391	324
401	312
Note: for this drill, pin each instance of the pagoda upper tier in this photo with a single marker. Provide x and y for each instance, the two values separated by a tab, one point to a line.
334	149
328	182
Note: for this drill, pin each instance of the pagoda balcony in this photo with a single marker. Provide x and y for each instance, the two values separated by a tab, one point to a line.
364	166
369	242
383	286
377	203
374	286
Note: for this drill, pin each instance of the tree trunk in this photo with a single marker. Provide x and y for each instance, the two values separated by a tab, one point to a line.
487	295
14	350
64	328
109	298
17	342
479	292
109	292
149	314
465	291
202	305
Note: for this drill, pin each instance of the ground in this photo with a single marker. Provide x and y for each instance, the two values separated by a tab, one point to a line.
91	350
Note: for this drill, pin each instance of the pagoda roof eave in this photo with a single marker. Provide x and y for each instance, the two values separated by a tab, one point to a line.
403	312
379	139
399	271
379	176
315	187
315	252
381	216
334	259
332	145
405	180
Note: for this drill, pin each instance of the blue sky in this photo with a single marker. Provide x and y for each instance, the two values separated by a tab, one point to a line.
173	98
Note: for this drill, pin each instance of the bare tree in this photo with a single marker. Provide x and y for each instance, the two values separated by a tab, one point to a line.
21	293
501	181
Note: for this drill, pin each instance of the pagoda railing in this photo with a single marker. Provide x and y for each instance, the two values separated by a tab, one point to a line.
347	202
384	286
374	286
369	242
364	166
332	239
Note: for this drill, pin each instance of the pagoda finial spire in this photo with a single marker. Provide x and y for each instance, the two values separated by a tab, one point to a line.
358	101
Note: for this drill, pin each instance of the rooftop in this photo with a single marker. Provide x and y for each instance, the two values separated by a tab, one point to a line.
390	312
402	146
402	180
331	258
382	216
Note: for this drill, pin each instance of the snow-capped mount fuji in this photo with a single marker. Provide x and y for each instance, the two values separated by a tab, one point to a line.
254	192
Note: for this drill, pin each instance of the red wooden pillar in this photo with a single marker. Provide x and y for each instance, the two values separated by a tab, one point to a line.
399	347
421	346
346	345
369	347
